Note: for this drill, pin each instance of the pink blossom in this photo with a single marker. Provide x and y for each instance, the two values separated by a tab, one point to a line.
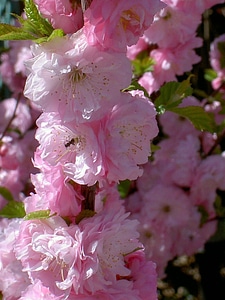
216	62
193	236
72	145
12	279
215	54
167	205
209	177
22	120
12	69
52	188
61	14
169	62
158	241
181	158
80	259
172	27
118	24
191	5
144	275
128	131
75	79
48	252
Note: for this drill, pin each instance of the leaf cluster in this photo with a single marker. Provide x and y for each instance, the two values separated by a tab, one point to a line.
34	27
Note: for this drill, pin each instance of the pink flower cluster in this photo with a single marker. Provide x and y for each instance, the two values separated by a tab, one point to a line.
171	40
174	201
91	135
79	240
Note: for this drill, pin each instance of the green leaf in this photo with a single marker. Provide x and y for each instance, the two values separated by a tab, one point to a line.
13	209
124	188
39	214
39	24
210	74
136	86
34	27
9	32
5	193
197	116
172	94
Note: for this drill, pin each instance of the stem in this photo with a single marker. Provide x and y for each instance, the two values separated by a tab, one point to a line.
89	197
12	118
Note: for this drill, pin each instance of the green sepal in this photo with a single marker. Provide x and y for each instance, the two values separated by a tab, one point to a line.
210	74
39	214
142	63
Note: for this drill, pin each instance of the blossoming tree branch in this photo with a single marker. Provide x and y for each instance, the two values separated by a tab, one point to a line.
109	165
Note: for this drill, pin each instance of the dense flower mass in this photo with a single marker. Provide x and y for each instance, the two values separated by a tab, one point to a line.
103	178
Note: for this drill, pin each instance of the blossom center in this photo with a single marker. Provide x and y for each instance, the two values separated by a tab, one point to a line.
76	75
128	18
77	143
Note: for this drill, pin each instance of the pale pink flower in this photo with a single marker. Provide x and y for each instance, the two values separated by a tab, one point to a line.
208	177
169	62
54	191
82	259
191	5
12	68
172	27
75	79
22	120
216	62
115	24
72	145
166	205
61	14
144	275
181	158
48	252
12	279
158	241
129	129
192	237
215	54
